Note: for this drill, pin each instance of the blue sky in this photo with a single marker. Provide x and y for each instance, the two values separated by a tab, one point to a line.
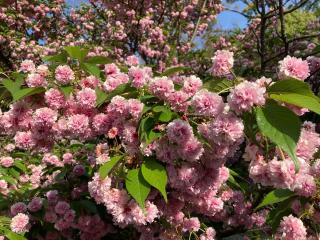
229	20
226	20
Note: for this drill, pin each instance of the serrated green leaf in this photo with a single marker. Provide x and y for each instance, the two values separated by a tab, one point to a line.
66	90
275	196
218	85
14	236
275	215
25	92
174	70
19	164
152	135
77	52
9	179
156	175
159	108
91	69
145	126
98	60
59	58
107	167
165	116
295	92
101	97
281	126
137	186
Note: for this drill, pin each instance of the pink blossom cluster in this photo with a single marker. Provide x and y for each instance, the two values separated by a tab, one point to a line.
294	67
67	142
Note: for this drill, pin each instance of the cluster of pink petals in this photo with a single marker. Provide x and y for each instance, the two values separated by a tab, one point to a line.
222	63
291	228
294	67
20	223
245	96
64	74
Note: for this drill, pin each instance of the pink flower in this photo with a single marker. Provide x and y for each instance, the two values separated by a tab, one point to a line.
6	161
222	63
179	101
162	87
18	207
139	76
45	117
114	80
291	228
52	196
62	207
305	185
90	82
64	74
207	103
27	66
209	234
294	67
42	70
191	150
135	108
54	98
50	217
179	131
79	170
246	95
86	98
20	223
226	128
35	204
191	224
24	140
111	69
78	124
67	158
132	60
191	85
36	80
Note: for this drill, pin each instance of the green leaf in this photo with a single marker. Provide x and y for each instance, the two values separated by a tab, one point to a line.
76	52
19	164
159	109
12	86
166	116
59	58
233	182
101	97
281	126
218	85
173	70
91	69
152	135
107	167
145	126
9	179
156	175
137	186
275	196
25	92
275	215
295	92
14	236
98	60
66	90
